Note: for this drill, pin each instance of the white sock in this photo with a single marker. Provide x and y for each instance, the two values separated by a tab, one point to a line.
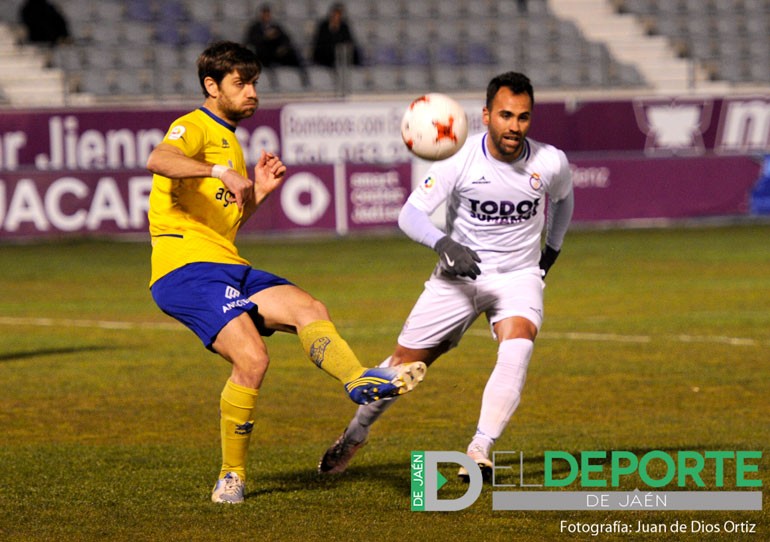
366	415
503	390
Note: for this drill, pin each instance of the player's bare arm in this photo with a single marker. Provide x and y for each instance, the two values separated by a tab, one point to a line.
241	188
171	162
268	175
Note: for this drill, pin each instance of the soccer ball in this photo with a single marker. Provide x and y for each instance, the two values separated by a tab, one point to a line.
434	126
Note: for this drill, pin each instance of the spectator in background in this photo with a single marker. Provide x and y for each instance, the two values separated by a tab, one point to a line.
44	23
331	32
272	44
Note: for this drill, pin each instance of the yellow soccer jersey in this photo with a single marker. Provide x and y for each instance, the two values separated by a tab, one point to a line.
191	219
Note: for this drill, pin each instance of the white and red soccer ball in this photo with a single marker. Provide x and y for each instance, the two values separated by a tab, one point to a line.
434	126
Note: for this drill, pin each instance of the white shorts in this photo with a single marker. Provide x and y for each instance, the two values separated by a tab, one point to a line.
448	306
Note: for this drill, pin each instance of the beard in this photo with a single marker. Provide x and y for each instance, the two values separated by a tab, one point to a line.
235	113
508	145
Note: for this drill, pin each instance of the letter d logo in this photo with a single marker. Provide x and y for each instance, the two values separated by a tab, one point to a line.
434	480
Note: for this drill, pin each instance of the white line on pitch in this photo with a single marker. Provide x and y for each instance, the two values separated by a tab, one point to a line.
598	337
639	339
99	324
571	336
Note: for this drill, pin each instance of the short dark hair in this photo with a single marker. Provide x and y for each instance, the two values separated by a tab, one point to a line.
517	82
223	57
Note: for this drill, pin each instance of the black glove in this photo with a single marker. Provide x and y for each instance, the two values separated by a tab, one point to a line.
456	259
547	257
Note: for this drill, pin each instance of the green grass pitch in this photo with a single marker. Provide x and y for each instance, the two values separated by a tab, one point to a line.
653	339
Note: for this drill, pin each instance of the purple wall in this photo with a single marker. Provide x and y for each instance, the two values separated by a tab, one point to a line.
75	172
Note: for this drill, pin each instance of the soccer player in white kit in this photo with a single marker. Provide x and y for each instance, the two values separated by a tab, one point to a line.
490	259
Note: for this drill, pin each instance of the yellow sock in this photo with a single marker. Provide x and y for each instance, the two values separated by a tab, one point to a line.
236	421
329	351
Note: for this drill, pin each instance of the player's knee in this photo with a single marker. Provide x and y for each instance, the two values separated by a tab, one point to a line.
311	310
251	363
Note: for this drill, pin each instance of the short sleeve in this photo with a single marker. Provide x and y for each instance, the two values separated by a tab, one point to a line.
187	136
435	186
561	184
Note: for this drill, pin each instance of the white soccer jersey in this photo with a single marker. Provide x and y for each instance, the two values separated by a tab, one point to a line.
496	208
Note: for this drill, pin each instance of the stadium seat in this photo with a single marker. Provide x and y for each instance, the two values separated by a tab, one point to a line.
718	33
137	32
411	38
413	32
361	10
135	82
198	33
759	70
288	79
475	53
76	11
171	33
387	11
322	79
416	55
109	11
476	77
382	54
450	11
202	10
449	54
361	80
419	9
167	56
167	81
417	79
447	78
173	10
189	54
98	82
135	57
190	84
239	10
105	34
99	58
385	79
140	10
68	57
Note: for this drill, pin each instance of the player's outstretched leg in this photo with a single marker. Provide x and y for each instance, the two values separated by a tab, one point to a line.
339	454
332	354
382	382
335	460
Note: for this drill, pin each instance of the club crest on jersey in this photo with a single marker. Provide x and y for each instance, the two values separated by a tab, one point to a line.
535	182
176	132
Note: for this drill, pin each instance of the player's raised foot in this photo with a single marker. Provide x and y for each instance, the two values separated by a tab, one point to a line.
382	382
339	454
481	457
229	489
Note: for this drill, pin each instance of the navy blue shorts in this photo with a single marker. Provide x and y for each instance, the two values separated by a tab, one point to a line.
206	296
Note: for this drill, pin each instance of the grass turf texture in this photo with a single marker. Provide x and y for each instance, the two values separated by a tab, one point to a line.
653	339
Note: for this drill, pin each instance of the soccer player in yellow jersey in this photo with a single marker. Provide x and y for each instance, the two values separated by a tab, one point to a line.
201	195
